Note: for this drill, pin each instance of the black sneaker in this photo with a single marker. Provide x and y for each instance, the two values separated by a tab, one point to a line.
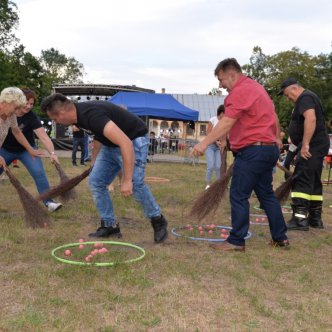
159	225
107	231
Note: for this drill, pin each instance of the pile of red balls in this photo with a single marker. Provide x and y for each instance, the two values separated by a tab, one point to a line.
97	249
211	230
259	220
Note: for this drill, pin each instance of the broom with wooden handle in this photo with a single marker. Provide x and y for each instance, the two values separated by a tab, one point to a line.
283	191
70	194
209	200
35	216
65	186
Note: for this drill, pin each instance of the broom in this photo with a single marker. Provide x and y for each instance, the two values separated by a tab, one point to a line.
70	194
283	191
64	186
223	162
209	200
35	215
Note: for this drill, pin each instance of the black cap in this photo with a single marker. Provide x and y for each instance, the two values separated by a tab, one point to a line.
289	81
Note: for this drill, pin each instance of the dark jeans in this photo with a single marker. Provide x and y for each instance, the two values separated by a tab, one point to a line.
253	167
78	142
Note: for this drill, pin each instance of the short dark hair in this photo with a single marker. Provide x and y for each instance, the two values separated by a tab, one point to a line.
53	102
229	63
220	109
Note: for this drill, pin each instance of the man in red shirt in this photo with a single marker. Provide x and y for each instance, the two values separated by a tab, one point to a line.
252	124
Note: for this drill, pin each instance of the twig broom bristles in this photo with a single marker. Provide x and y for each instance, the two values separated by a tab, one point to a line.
283	191
209	200
65	186
35	216
70	194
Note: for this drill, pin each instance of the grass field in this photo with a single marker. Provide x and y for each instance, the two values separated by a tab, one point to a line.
181	285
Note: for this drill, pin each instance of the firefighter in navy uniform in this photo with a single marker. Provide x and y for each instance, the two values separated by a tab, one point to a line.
307	130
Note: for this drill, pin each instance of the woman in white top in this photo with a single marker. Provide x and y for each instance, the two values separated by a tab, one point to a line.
212	153
11	100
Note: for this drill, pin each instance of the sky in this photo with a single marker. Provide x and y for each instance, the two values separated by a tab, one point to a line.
171	44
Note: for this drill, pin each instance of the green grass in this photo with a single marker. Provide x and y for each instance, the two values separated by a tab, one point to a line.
181	285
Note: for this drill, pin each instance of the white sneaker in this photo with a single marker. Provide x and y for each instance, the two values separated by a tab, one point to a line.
52	206
4	177
207	187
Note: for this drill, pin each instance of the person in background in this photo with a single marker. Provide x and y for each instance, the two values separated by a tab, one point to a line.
307	131
86	147
212	153
78	141
11	149
152	146
291	154
252	124
12	99
15	164
120	143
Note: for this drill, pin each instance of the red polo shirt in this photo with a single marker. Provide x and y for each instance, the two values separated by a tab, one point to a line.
251	106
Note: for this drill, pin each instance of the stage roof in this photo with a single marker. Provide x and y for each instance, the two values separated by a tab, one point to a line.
95	89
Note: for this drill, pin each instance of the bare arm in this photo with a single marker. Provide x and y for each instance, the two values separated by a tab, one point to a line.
23	141
209	128
309	129
219	131
278	140
118	137
41	134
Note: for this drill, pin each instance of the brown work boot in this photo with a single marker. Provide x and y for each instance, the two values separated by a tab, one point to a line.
226	246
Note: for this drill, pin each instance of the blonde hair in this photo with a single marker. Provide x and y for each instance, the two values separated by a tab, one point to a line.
13	95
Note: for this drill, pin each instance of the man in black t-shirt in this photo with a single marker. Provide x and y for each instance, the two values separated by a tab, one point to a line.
120	143
308	132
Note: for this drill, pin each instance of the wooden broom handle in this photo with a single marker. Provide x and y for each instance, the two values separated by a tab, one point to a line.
284	169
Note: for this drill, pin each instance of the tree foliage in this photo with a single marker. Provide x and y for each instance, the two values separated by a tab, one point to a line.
21	68
312	72
8	23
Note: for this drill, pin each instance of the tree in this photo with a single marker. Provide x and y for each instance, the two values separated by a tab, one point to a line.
257	66
60	68
8	23
313	72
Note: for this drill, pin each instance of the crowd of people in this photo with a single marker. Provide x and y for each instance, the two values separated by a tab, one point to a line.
247	124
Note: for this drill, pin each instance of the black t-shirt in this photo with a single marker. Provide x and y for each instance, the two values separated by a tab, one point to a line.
27	123
92	116
307	100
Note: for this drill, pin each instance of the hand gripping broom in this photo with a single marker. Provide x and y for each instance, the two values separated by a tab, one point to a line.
283	191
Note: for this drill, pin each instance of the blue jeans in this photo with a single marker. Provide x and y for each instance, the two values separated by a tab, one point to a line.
253	171
78	142
33	165
107	165
213	162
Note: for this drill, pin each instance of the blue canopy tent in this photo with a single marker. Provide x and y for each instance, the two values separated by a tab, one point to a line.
152	105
